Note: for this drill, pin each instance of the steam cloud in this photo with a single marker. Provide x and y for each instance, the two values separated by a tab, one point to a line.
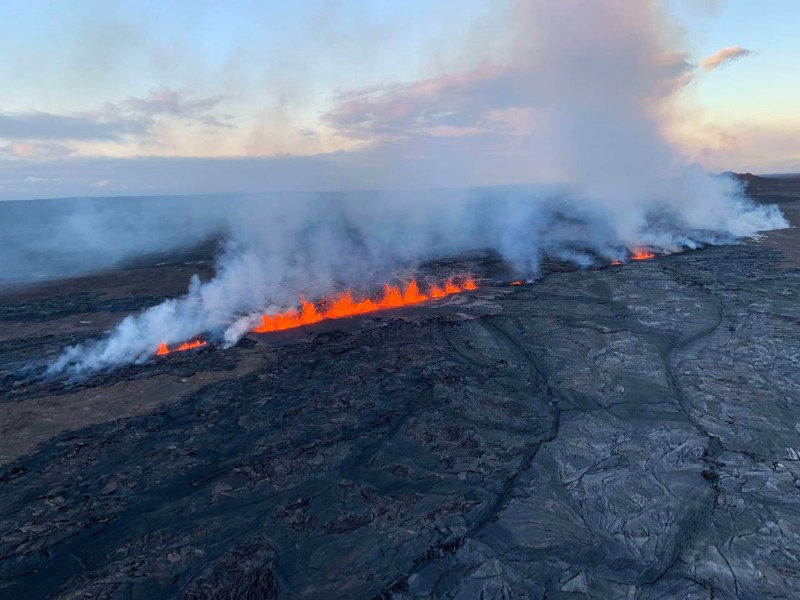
598	77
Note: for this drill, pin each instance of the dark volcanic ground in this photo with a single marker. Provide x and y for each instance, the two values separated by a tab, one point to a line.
629	432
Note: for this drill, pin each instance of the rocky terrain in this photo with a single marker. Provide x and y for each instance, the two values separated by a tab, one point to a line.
625	432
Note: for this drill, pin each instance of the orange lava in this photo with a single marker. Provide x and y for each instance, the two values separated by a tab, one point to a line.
345	305
616	261
164	349
642	254
516	283
191	345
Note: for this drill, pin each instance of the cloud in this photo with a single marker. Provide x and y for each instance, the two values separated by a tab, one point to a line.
49	126
37	134
513	98
724	57
35	150
167	102
450	105
550	108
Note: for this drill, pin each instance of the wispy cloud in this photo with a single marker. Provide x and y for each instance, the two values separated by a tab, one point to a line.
34	150
133	117
167	102
49	126
724	57
447	106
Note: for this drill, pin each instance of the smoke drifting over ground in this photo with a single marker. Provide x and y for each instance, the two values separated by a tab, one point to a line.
50	239
597	79
314	245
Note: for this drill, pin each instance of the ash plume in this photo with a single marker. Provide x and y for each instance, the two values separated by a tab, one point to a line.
598	79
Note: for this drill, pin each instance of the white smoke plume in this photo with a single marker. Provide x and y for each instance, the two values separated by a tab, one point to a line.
598	78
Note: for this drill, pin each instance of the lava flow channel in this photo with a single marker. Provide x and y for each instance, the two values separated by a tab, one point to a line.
345	306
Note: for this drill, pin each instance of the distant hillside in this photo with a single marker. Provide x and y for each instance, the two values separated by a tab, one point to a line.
746	178
769	187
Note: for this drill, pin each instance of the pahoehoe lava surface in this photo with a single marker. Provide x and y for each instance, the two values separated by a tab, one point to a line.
622	432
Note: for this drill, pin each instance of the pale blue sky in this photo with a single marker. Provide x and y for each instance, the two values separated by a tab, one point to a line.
90	80
78	54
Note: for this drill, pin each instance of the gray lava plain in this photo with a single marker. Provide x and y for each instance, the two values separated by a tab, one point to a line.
624	432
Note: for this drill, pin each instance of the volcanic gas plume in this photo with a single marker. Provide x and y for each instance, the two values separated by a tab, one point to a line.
598	79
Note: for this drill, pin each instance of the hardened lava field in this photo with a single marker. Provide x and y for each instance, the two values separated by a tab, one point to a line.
618	432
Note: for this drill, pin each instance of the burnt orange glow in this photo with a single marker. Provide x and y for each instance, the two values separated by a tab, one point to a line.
345	306
642	254
164	349
516	283
616	261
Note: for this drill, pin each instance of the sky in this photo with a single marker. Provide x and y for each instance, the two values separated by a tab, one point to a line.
116	98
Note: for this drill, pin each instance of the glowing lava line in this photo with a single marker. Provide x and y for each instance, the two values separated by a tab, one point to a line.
345	306
164	349
342	306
